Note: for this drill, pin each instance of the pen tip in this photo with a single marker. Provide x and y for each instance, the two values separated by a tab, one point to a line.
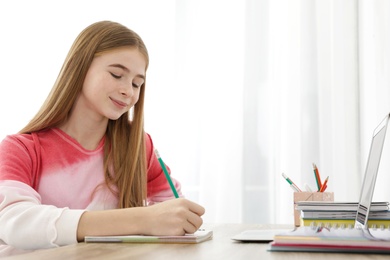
157	153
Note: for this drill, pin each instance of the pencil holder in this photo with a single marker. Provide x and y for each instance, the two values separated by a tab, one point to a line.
309	196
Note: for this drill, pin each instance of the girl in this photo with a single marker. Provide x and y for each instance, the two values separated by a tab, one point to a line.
84	165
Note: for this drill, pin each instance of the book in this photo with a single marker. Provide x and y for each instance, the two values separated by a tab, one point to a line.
344	216
198	237
337	206
315	214
319	239
344	223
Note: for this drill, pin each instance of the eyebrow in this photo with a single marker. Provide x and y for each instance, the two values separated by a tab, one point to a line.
117	65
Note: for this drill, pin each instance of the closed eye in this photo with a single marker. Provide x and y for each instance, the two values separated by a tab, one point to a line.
115	76
136	86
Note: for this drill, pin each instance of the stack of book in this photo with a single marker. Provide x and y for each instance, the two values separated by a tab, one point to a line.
342	240
341	214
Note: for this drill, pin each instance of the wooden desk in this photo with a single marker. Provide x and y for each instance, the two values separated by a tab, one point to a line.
220	247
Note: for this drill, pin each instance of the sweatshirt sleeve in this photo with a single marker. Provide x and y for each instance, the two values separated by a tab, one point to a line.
27	224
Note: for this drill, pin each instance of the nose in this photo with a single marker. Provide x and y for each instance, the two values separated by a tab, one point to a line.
127	90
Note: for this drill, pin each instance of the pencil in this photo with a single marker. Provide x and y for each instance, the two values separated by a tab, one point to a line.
167	176
324	185
307	187
317	177
292	184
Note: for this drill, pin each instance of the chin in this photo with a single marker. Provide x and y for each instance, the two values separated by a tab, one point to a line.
115	117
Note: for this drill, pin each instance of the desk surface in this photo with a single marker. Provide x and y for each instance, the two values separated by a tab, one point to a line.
220	247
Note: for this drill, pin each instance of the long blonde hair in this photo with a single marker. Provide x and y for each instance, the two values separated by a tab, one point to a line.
124	151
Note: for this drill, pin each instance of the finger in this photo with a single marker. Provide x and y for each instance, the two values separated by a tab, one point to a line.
195	220
196	208
189	228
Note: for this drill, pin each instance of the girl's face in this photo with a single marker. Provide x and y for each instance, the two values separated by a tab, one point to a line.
112	84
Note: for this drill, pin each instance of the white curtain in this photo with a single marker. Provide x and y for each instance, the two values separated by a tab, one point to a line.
277	86
374	81
237	92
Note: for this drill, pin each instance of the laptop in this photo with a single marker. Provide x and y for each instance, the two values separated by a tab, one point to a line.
368	186
366	194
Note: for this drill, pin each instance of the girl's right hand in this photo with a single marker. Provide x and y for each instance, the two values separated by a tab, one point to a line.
172	217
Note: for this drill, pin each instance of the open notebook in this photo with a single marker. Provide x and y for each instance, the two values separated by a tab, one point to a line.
357	239
198	237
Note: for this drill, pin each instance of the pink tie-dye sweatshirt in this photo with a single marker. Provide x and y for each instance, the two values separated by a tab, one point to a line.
47	180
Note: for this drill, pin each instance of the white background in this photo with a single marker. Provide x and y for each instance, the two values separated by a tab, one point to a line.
237	91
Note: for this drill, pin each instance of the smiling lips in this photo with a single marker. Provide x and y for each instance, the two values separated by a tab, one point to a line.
119	103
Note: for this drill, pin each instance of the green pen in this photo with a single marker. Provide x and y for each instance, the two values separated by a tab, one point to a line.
166	174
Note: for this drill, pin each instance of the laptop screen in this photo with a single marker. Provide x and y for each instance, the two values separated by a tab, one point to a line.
368	185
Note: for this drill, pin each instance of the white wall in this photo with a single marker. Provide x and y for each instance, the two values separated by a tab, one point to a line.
237	91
